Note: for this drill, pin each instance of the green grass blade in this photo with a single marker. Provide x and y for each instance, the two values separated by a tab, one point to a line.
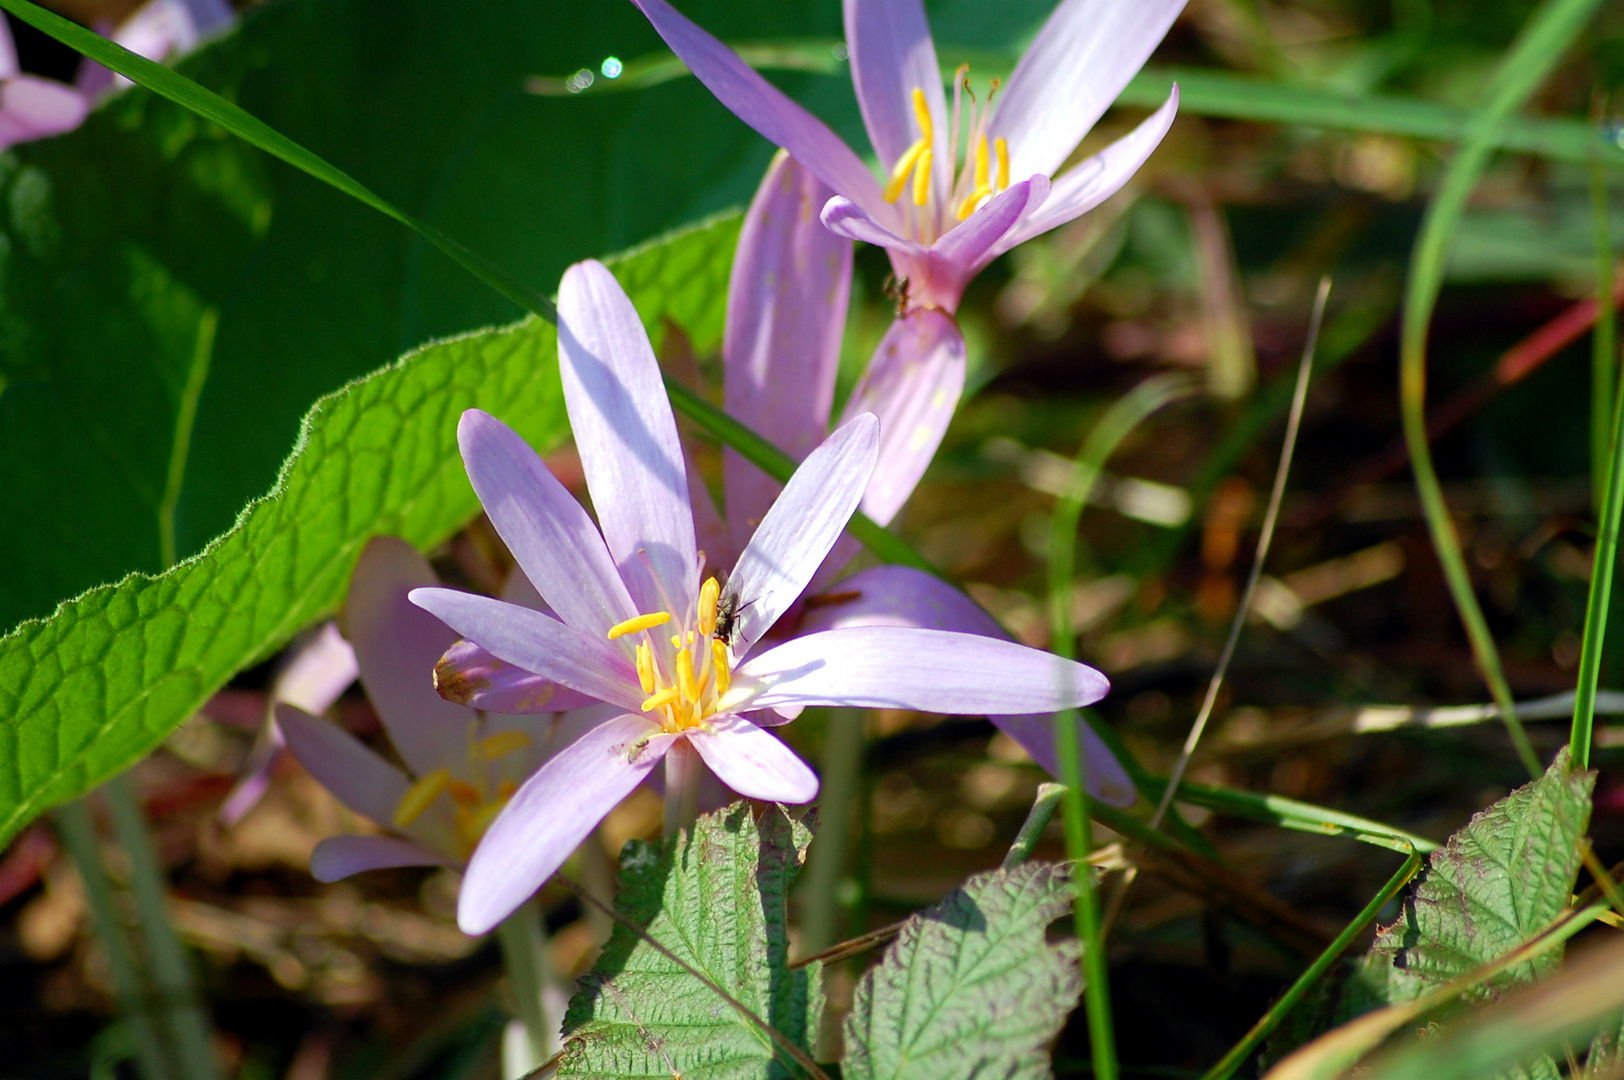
1304	817
1542	42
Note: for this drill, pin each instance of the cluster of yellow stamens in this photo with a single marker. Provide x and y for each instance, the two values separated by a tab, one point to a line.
473	805
683	691
977	173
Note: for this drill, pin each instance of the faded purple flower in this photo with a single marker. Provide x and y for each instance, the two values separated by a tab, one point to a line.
966	185
636	628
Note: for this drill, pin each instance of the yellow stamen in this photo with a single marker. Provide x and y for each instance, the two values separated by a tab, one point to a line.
645	667
472	826
899	175
463	794
981	163
921	184
724	676
676	641
685	676
927	131
709	594
419	797
501	744
1001	148
664	697
641	622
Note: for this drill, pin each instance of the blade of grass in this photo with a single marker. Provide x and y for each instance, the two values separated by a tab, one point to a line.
1545	37
1301	816
1282	1008
1123	416
1609	474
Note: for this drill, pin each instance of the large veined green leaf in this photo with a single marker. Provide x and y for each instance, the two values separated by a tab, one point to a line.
971	987
172	300
715	897
100	682
1496	883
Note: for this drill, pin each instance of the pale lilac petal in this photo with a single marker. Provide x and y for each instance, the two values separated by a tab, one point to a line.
786	314
551	814
549	735
158	28
711	533
802	525
888	667
897	596
627	438
892	54
843	217
1104	777
912	385
33	108
362	780
211	16
551	536
397	645
753	763
8	52
321	669
1091	182
254	782
471	675
764	107
538	643
518	589
940	277
1075	68
338	857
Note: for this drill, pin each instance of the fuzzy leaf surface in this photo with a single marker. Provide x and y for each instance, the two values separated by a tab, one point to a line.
715	896
971	987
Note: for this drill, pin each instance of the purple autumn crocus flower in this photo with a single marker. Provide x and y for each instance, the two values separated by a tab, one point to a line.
461	765
30	107
636	628
960	187
786	310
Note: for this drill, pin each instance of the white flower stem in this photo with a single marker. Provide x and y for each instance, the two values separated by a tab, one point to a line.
523	937
682	772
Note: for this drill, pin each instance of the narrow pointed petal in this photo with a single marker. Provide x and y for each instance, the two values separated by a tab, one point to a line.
8	52
753	763
897	596
33	108
469	674
801	527
786	315
338	857
912	385
627	438
551	814
764	107
844	217
1104	777
965	250
362	780
1075	68
397	645
1091	182
560	550
891	54
537	643
322	668
888	667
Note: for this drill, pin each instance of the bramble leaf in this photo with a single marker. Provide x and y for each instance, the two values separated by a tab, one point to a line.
716	898
971	987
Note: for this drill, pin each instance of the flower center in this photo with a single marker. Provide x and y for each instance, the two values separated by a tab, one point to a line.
684	675
475	802
974	181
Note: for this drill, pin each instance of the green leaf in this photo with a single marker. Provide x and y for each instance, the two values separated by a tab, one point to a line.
102	681
715	897
1496	883
172	300
971	987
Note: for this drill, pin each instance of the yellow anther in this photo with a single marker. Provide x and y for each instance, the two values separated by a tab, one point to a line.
921	184
686	683
676	641
724	677
472	824
664	697
1001	148
645	667
642	622
500	745
927	131
981	163
419	797
899	174
709	594
463	794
